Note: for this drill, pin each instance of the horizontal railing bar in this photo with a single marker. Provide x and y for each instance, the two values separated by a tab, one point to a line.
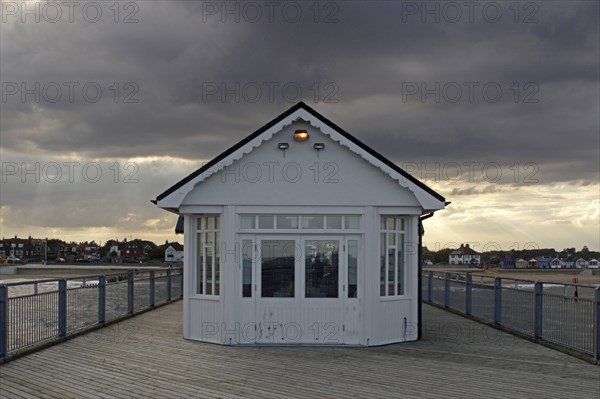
513	280
124	272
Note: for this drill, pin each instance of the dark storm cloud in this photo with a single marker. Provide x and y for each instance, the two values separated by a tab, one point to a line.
369	56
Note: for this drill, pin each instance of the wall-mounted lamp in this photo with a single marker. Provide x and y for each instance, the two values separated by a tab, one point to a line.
319	146
283	146
300	135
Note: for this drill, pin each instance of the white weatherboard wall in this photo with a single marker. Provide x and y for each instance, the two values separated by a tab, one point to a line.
300	181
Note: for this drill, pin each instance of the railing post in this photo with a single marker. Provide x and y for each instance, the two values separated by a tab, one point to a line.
537	325
497	300
102	300
430	283
62	308
468	294
130	276
169	281
3	322
597	327
152	289
180	274
447	290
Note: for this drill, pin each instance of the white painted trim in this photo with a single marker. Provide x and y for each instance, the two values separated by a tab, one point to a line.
200	209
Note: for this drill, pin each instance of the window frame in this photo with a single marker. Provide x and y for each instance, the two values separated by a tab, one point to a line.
201	247
399	242
299	230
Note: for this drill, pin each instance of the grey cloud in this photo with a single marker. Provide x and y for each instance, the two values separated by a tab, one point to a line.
368	54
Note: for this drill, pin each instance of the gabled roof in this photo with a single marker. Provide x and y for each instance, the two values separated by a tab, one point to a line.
298	111
175	245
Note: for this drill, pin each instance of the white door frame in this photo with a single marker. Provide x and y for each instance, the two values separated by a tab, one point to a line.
288	320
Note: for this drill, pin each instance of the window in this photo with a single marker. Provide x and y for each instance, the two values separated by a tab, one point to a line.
352	268
247	257
321	268
208	263
278	259
302	222
392	270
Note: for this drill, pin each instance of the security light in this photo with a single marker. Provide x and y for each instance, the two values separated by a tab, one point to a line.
283	146
319	146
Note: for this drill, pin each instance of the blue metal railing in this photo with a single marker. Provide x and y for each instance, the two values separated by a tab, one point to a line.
35	313
567	315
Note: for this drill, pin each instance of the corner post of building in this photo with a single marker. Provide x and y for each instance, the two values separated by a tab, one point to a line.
420	281
102	300
130	277
430	282
152	284
597	327
538	291
3	322
497	300
447	290
62	308
169	283
468	294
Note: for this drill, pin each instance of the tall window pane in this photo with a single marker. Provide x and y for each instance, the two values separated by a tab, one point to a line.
209	270
400	261
277	268
217	265
247	256
200	265
382	265
391	270
321	258
352	268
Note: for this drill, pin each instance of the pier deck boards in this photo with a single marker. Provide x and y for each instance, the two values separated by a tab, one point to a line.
146	356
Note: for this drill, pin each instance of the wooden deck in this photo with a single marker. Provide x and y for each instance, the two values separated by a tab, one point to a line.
146	357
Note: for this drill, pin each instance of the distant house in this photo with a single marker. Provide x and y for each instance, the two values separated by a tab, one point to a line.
581	263
568	263
174	252
532	264
555	263
544	262
521	263
593	264
507	263
136	249
21	247
464	255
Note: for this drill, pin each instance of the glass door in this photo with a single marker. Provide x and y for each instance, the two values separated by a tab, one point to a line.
304	289
277	296
321	315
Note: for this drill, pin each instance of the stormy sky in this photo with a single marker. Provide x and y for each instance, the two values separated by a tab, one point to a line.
495	104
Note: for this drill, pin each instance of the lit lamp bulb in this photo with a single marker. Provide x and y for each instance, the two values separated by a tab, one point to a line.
300	135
